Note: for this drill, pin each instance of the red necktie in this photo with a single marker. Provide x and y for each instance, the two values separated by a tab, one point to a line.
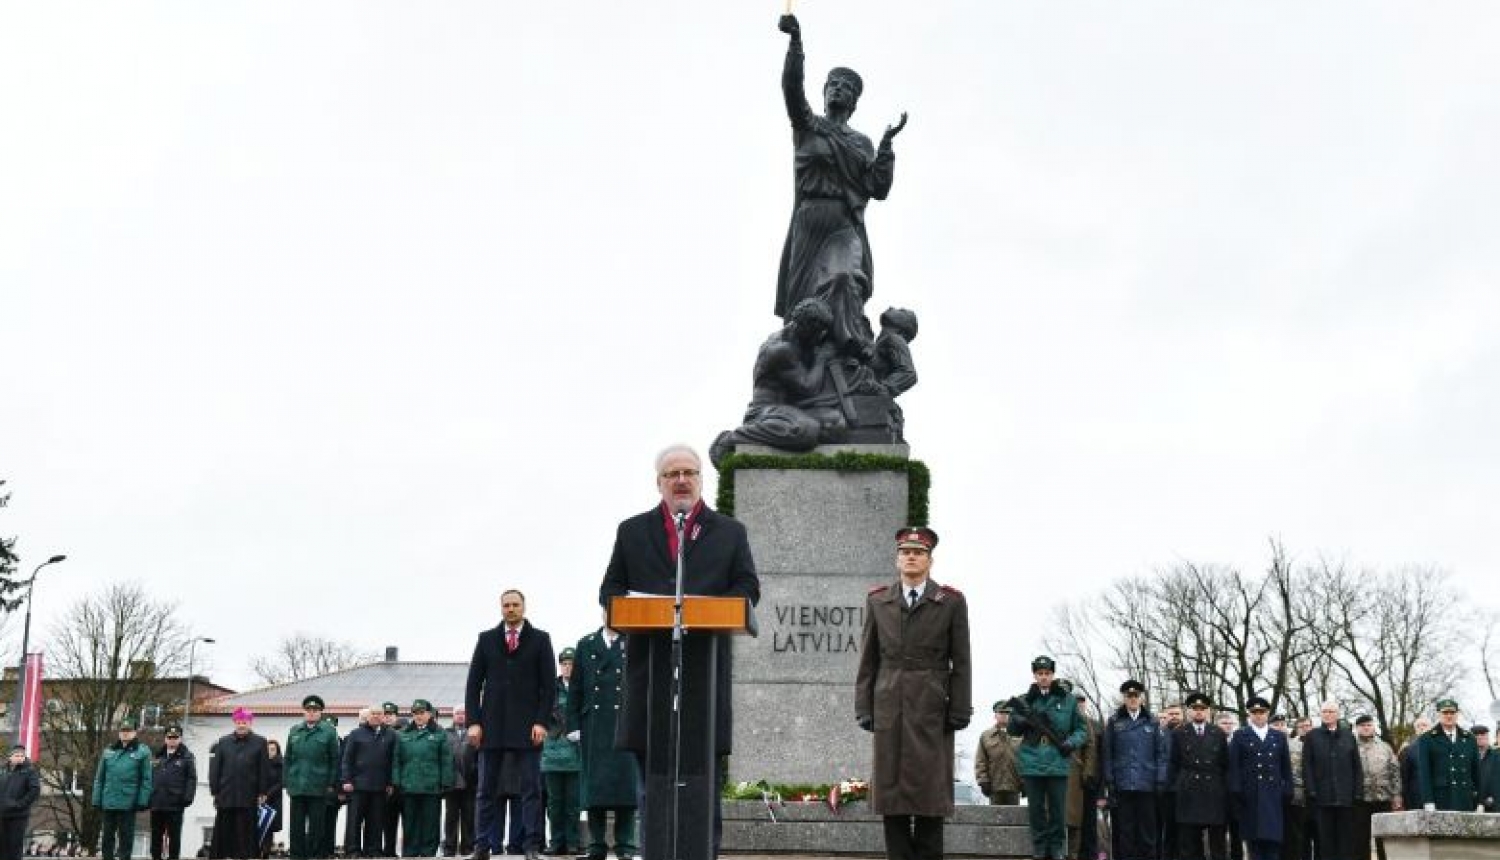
510	640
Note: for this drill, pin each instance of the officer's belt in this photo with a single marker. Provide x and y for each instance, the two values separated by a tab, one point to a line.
914	662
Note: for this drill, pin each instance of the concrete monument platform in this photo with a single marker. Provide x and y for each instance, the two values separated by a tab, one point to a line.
812	828
822	539
1425	835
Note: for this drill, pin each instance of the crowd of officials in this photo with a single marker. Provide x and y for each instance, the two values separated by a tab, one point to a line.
409	787
1187	783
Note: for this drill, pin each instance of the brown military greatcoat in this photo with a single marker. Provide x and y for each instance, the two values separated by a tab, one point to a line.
915	680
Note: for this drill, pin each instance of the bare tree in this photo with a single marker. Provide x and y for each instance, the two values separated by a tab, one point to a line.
1074	635
1489	652
1395	638
106	658
1297	635
302	655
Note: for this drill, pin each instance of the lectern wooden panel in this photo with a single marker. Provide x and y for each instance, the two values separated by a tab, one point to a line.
653	614
685	795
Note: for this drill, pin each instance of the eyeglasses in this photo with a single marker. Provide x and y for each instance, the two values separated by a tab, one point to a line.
690	474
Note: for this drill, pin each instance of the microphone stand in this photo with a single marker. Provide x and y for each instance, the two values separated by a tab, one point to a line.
676	730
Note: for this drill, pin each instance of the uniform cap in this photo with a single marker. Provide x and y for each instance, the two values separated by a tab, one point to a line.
1279	718
421	705
174	731
1043	663
1257	703
312	702
999	708
1197	698
1447	705
567	654
390	708
1132	686
127	724
916	537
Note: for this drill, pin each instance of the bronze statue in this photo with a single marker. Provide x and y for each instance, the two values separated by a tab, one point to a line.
795	403
827	251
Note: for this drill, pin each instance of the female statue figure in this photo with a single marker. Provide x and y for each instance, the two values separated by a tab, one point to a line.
827	252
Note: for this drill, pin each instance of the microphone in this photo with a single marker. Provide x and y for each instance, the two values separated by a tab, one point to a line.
681	517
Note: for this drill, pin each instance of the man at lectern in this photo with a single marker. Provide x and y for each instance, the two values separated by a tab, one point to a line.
716	562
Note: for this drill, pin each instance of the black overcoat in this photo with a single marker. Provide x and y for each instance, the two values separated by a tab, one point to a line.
1260	781
508	692
1332	774
717	563
1198	773
239	771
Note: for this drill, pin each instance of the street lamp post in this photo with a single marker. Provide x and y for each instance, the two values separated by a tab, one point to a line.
25	644
187	706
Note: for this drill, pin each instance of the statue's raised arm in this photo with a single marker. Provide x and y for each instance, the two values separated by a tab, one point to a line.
792	82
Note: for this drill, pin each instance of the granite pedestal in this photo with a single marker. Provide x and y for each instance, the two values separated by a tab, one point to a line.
821	539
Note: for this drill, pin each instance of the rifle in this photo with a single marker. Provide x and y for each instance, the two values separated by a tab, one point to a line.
1034	721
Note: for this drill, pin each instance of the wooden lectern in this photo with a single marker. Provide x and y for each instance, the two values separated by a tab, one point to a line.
704	620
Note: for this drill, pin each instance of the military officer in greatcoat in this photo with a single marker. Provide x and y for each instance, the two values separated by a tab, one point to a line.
1448	764
995	761
1198	771
913	690
608	782
1260	781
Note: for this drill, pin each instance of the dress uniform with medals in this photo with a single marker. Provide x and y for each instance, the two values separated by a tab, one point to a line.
1198	771
1260	781
1448	764
913	690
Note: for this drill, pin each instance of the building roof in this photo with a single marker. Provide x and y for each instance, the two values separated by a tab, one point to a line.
348	690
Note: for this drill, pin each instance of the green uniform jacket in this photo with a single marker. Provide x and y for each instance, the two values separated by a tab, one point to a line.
1448	771
123	779
609	775
312	759
1038	756
424	760
560	755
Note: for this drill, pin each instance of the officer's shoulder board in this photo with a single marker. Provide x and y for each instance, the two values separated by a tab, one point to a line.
879	588
945	590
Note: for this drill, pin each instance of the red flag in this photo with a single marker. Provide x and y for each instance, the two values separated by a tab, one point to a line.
31	708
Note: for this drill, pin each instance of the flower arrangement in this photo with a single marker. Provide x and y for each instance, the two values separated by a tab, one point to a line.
834	794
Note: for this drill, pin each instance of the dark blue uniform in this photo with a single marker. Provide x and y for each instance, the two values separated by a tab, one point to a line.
1260	781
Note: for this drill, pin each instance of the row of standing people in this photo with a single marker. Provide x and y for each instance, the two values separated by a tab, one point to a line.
1192	788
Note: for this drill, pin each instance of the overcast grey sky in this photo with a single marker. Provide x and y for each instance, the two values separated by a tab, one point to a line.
341	317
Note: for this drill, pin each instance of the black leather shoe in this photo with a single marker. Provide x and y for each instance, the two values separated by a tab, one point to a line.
480	853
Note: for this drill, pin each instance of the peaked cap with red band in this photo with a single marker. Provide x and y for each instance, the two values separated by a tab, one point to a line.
916	537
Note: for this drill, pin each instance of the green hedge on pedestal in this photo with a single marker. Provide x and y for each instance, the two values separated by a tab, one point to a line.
918	478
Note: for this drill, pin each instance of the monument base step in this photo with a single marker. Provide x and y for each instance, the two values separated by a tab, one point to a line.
750	827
